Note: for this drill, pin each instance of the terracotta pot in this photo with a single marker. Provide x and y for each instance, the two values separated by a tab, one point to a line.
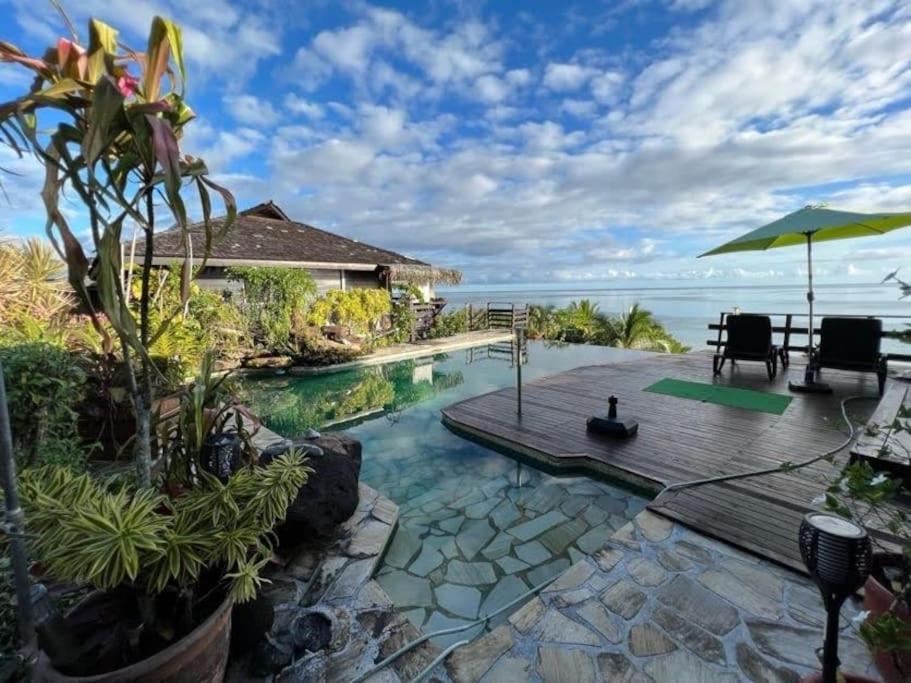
199	657
877	600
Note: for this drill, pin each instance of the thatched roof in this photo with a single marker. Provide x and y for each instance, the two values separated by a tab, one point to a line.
422	274
264	235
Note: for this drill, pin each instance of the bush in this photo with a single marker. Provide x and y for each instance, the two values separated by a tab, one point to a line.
362	310
448	324
276	302
43	386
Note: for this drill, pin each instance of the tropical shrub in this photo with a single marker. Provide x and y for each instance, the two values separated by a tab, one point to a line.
35	302
44	384
582	323
403	321
277	301
448	324
110	136
870	498
363	310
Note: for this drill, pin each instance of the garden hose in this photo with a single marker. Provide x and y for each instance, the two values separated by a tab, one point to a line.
455	629
784	467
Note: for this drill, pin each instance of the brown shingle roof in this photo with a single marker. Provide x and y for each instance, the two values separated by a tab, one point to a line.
264	233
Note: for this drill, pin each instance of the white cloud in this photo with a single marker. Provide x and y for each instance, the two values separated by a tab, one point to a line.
299	105
564	77
251	110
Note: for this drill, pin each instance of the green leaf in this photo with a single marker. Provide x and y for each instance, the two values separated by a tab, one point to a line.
107	104
165	39
102	47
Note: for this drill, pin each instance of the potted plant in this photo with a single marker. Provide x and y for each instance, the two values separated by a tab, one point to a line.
868	496
167	562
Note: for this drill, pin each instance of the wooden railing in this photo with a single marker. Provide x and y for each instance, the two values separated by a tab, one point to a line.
788	329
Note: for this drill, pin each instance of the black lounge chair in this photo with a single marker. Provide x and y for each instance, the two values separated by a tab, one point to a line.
749	337
852	344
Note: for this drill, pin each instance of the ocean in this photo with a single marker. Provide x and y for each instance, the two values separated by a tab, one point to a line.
687	309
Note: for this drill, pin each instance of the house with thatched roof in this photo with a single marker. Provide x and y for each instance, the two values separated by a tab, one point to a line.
264	235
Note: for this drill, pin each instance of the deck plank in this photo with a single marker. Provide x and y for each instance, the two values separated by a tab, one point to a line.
683	440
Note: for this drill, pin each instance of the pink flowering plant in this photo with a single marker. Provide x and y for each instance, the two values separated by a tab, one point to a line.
106	122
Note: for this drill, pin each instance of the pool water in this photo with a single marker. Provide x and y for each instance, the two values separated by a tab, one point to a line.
476	528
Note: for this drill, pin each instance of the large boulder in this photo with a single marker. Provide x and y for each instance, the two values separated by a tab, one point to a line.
330	495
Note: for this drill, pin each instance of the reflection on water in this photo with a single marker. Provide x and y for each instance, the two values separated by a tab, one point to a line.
476	529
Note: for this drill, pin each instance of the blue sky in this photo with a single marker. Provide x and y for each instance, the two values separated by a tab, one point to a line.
539	142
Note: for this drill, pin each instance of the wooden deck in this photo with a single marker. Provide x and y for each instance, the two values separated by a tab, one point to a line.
683	440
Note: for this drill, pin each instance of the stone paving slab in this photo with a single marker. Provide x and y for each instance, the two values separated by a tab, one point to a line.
667	605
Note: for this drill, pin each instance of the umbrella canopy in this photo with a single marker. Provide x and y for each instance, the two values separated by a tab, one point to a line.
806	226
813	223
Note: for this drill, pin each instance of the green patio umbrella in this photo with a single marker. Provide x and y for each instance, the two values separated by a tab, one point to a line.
806	226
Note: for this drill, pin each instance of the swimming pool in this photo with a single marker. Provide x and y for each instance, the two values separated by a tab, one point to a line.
476	528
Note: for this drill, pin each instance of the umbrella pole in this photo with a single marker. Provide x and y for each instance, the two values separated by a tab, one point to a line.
809	384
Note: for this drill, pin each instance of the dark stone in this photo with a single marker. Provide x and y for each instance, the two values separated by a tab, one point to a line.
330	495
250	621
272	654
311	631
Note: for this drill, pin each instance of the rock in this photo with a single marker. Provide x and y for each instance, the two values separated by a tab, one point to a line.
352	577
594	515
482	509
537	526
593	540
560	537
645	640
509	670
452	525
461	601
608	558
683	666
653	527
760	670
440	622
385	510
527	616
311	632
475	534
472	661
672	561
271	655
573	577
624	598
594	613
406	590
555	627
532	553
498	547
572	597
797	645
558	665
693	638
694	552
741	594
400	633
403	547
540	574
645	572
470	573
616	668
507	589
511	565
330	495
426	562
696	604
505	514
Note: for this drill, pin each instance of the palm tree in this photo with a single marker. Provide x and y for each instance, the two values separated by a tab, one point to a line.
638	329
585	318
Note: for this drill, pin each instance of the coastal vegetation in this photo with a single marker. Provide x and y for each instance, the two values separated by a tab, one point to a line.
581	322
